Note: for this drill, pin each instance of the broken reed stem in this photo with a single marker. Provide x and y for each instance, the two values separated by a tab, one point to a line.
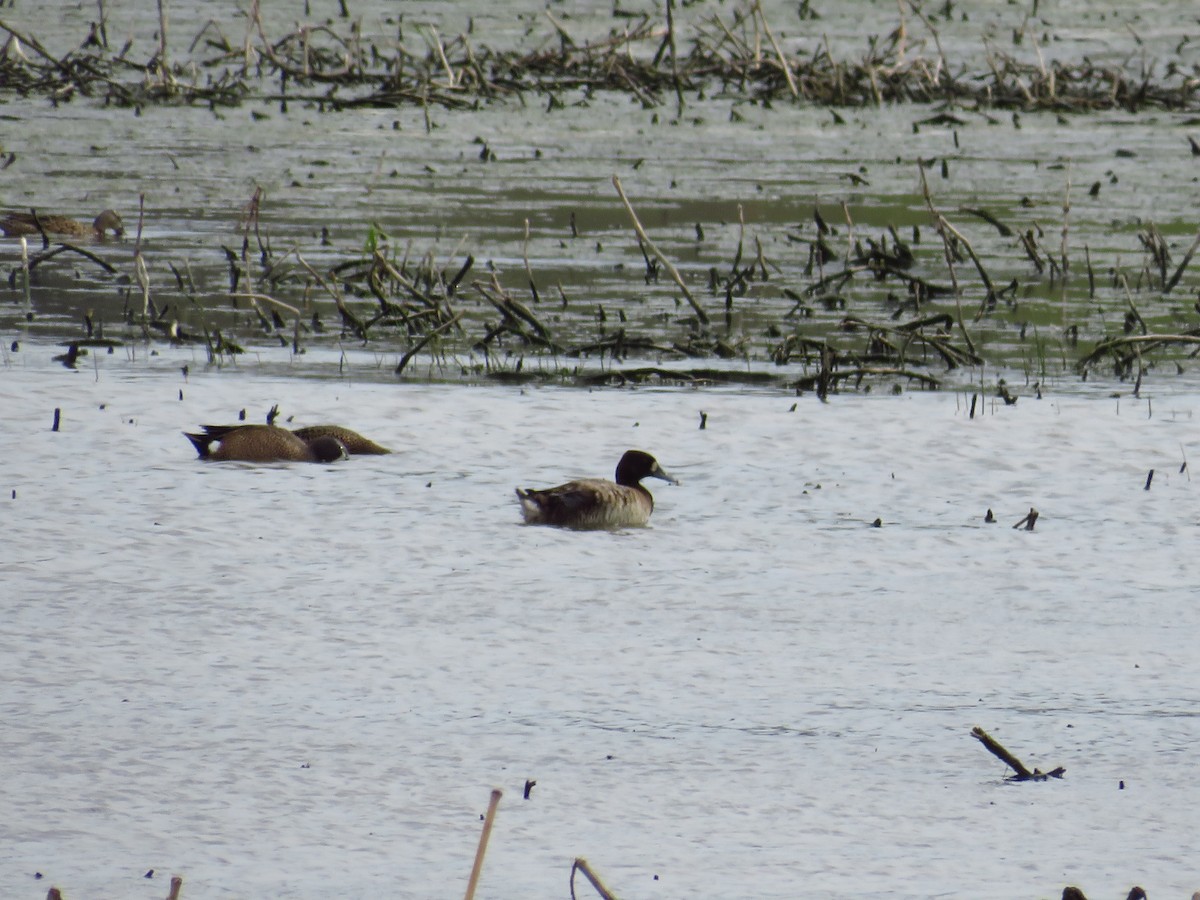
264	298
943	66
1028	521
581	865
1087	255
483	842
143	280
176	887
163	70
1066	211
429	336
25	277
674	58
783	63
528	271
849	229
942	225
1066	230
641	233
1187	258
997	750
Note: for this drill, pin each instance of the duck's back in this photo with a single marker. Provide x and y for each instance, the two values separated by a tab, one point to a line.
588	503
24	225
259	443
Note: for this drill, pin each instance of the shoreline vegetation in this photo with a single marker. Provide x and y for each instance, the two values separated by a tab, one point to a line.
936	292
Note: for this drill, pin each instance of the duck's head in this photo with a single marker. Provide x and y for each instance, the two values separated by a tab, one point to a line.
636	465
328	449
108	221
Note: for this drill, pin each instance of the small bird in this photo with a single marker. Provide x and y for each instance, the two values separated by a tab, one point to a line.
355	443
21	224
594	502
264	443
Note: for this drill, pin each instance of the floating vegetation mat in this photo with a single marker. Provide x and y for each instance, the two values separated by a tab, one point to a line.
821	305
664	58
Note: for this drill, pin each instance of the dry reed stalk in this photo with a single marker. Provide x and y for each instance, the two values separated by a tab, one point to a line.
563	36
164	71
998	750
849	229
265	298
783	63
942	226
943	66
670	39
1066	233
641	233
1028	521
176	887
429	336
483	842
25	277
581	865
143	280
436	40
347	316
525	257
1187	258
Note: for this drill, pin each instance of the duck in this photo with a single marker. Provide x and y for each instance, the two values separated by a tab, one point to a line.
264	443
19	224
355	443
1070	892
595	503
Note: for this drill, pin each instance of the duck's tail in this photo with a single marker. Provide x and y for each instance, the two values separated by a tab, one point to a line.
530	508
202	442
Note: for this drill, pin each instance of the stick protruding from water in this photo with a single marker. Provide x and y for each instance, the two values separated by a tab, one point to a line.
483	842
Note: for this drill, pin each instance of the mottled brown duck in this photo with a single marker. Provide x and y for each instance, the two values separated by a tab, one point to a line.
264	443
24	224
592	503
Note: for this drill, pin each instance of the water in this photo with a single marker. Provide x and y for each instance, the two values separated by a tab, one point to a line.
302	681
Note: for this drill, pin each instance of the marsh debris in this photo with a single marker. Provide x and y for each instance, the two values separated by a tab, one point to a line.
669	57
1020	772
833	305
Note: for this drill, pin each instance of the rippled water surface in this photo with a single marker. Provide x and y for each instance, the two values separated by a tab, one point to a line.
302	681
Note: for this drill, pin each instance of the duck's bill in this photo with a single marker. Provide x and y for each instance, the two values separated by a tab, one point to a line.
660	472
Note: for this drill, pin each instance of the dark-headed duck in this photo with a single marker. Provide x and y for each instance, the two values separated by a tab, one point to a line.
595	502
